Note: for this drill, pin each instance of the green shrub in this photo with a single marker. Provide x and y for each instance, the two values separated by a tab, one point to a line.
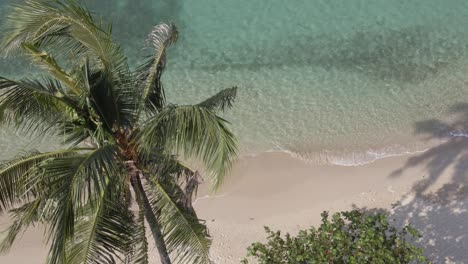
348	237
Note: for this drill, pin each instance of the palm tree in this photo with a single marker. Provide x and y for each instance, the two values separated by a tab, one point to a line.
121	143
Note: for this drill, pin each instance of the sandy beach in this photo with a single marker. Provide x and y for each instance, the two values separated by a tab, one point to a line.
428	190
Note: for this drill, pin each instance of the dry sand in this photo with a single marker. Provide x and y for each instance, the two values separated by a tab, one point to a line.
428	190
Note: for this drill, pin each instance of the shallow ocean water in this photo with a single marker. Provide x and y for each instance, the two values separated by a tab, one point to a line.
330	81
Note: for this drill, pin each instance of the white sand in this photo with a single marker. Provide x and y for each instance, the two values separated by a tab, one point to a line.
428	190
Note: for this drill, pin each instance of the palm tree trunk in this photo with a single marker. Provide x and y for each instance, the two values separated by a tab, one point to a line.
150	217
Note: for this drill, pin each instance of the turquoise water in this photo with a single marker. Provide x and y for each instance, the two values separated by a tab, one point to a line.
330	81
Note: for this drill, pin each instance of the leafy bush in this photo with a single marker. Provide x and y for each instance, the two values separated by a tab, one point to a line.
348	237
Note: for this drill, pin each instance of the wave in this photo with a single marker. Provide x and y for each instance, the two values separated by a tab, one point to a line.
347	157
358	159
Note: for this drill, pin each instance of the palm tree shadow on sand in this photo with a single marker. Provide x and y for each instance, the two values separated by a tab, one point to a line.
439	210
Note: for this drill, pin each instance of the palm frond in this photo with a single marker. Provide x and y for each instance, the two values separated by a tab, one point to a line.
75	132
31	105
220	101
161	37
114	102
22	217
16	175
74	183
103	231
195	132
46	61
179	174
65	27
41	23
184	234
160	163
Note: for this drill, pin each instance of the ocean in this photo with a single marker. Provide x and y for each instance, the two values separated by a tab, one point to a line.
329	81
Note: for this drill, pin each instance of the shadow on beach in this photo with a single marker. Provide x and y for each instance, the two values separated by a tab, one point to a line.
441	217
438	204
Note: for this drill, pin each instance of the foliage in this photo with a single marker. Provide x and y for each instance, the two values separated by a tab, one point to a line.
90	96
348	237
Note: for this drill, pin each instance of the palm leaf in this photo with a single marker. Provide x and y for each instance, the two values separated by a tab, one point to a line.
74	182
220	101
21	218
113	102
185	237
178	174
41	23
103	230
15	175
66	28
161	37
46	61
195	132
32	105
159	163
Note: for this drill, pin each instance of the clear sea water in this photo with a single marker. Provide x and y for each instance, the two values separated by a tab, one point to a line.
330	81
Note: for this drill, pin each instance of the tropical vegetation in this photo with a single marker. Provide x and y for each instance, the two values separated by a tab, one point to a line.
119	171
347	238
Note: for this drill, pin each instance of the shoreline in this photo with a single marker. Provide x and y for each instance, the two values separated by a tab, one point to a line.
357	157
428	190
376	157
274	189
